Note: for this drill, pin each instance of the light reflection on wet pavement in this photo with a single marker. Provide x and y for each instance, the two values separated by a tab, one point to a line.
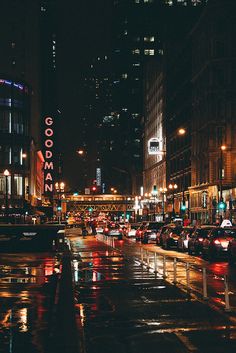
25	301
122	307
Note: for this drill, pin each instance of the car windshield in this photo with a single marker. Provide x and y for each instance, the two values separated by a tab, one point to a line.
155	225
225	233
177	231
134	226
203	232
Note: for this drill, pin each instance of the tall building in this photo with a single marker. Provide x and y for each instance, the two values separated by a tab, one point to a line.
138	32
199	99
19	105
213	180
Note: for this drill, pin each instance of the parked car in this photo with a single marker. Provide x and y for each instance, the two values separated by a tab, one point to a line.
150	232
140	231
170	237
216	243
232	249
131	231
184	238
196	240
113	230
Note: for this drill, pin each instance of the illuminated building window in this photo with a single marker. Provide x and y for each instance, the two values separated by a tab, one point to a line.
149	51
136	64
125	32
149	39
136	51
160	51
18	184
148	1
169	2
13	45
124	76
137	1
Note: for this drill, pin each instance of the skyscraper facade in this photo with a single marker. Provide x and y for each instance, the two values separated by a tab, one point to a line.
138	34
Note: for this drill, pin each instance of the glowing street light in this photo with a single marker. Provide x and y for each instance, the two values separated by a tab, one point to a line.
163	191
173	187
6	174
181	131
80	152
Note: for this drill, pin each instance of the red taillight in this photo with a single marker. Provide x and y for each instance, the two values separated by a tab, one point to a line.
120	230
200	239
106	229
217	242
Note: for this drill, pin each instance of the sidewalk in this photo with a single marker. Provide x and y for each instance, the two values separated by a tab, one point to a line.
121	307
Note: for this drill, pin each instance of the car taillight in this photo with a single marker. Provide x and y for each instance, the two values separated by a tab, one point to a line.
217	242
106	229
120	230
200	239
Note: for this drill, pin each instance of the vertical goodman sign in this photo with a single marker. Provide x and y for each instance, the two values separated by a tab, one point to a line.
48	148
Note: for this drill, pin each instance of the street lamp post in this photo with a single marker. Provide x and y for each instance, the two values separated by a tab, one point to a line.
163	192
222	148
173	187
6	174
60	187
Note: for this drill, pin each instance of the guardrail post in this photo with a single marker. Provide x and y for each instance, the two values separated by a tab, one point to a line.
141	250
155	262
204	283
148	260
187	276
227	306
164	266
175	270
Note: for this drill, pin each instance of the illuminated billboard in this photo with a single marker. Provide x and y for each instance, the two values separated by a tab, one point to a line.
154	146
48	155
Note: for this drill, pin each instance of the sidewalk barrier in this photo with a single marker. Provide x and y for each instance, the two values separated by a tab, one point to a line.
204	283
148	259
155	262
145	260
187	276
164	266
175	271
226	283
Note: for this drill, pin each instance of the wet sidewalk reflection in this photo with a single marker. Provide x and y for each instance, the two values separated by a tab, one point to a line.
27	285
122	307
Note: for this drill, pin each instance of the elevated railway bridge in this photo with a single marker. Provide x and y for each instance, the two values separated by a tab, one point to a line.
117	205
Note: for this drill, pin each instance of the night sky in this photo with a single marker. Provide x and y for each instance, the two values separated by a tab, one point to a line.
84	33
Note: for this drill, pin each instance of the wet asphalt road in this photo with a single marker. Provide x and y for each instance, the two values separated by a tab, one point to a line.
26	295
122	307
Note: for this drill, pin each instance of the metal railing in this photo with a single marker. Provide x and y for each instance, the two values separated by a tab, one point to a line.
147	255
169	268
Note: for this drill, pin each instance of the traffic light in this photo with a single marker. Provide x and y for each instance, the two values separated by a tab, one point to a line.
222	206
58	208
94	189
183	207
90	209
